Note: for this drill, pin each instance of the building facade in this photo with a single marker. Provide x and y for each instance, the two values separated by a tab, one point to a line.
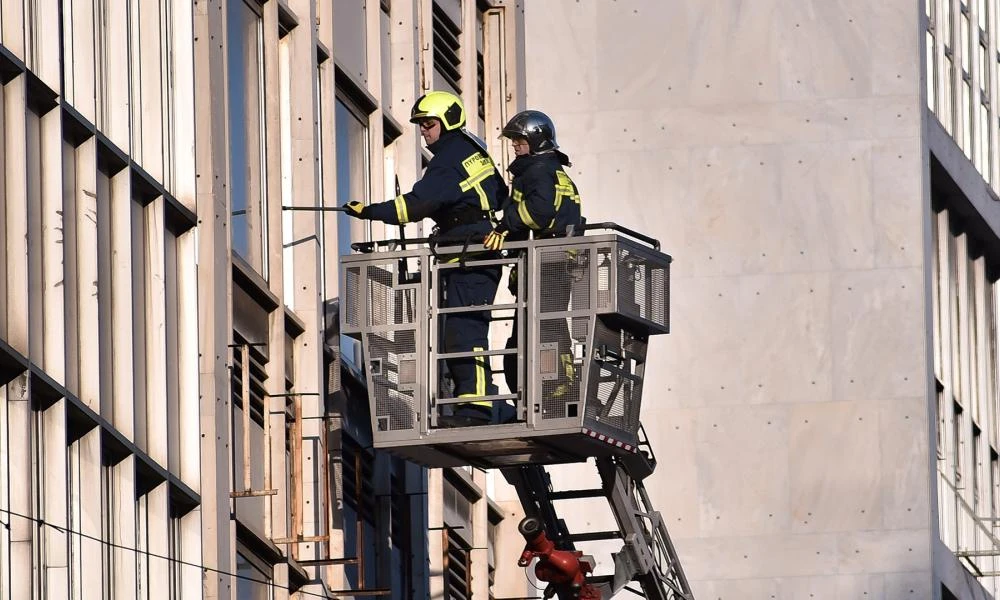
824	175
174	419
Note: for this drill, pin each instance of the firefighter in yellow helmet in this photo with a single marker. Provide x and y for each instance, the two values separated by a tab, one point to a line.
459	190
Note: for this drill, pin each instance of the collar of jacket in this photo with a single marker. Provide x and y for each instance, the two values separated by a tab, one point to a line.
446	138
522	163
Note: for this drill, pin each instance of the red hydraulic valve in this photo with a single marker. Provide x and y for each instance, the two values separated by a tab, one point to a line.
564	570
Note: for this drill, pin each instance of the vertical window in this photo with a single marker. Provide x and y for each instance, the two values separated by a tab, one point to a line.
972	318
104	293
447	73
968	108
494	519
936	279
172	325
982	66
288	241
108	524
481	67
253	577
947	22
948	96
956	245
983	135
459	577
958	462
929	36
385	27
74	496
149	48
246	133
457	514
959	440
494	74
976	468
167	92
71	262
176	554
977	476
33	193
359	512
86	496
353	177
994	482
402	528
140	305
946	17
967	117
965	36
931	74
142	547
992	385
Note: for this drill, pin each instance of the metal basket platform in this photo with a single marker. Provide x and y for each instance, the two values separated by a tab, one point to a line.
586	306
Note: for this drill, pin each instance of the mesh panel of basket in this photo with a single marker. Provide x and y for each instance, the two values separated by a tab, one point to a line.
643	286
381	295
605	263
352	298
631	284
556	281
636	349
565	387
612	398
579	272
392	377
660	307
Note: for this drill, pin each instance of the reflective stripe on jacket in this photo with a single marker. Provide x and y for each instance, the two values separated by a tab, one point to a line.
459	190
543	197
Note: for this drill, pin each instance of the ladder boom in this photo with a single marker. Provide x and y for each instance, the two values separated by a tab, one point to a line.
647	556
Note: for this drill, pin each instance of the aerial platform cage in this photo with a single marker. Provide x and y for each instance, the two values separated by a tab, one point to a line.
584	307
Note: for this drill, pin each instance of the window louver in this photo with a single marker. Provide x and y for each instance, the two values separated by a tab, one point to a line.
446	48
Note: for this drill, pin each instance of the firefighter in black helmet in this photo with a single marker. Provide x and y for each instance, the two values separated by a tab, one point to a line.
459	190
543	202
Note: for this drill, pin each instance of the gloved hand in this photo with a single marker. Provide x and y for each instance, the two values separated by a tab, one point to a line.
494	239
356	209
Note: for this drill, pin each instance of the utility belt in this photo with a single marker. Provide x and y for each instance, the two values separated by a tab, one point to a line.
466	215
471	243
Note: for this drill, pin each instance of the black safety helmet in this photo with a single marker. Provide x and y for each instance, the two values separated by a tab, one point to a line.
535	127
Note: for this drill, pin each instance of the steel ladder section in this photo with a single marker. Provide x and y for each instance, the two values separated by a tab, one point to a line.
647	557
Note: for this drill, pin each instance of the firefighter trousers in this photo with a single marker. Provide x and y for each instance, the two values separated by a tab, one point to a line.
469	331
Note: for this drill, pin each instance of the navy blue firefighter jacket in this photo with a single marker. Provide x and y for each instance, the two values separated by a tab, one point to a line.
459	190
543	197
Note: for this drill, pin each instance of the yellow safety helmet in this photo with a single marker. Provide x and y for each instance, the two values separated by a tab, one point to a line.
443	106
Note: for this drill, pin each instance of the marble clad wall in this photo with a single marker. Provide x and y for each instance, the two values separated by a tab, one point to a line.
774	147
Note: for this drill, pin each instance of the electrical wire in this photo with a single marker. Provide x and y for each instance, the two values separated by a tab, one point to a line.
149	554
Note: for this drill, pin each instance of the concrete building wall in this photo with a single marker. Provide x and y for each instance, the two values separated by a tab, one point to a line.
775	148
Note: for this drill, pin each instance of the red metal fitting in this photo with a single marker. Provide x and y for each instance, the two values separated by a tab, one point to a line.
563	569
